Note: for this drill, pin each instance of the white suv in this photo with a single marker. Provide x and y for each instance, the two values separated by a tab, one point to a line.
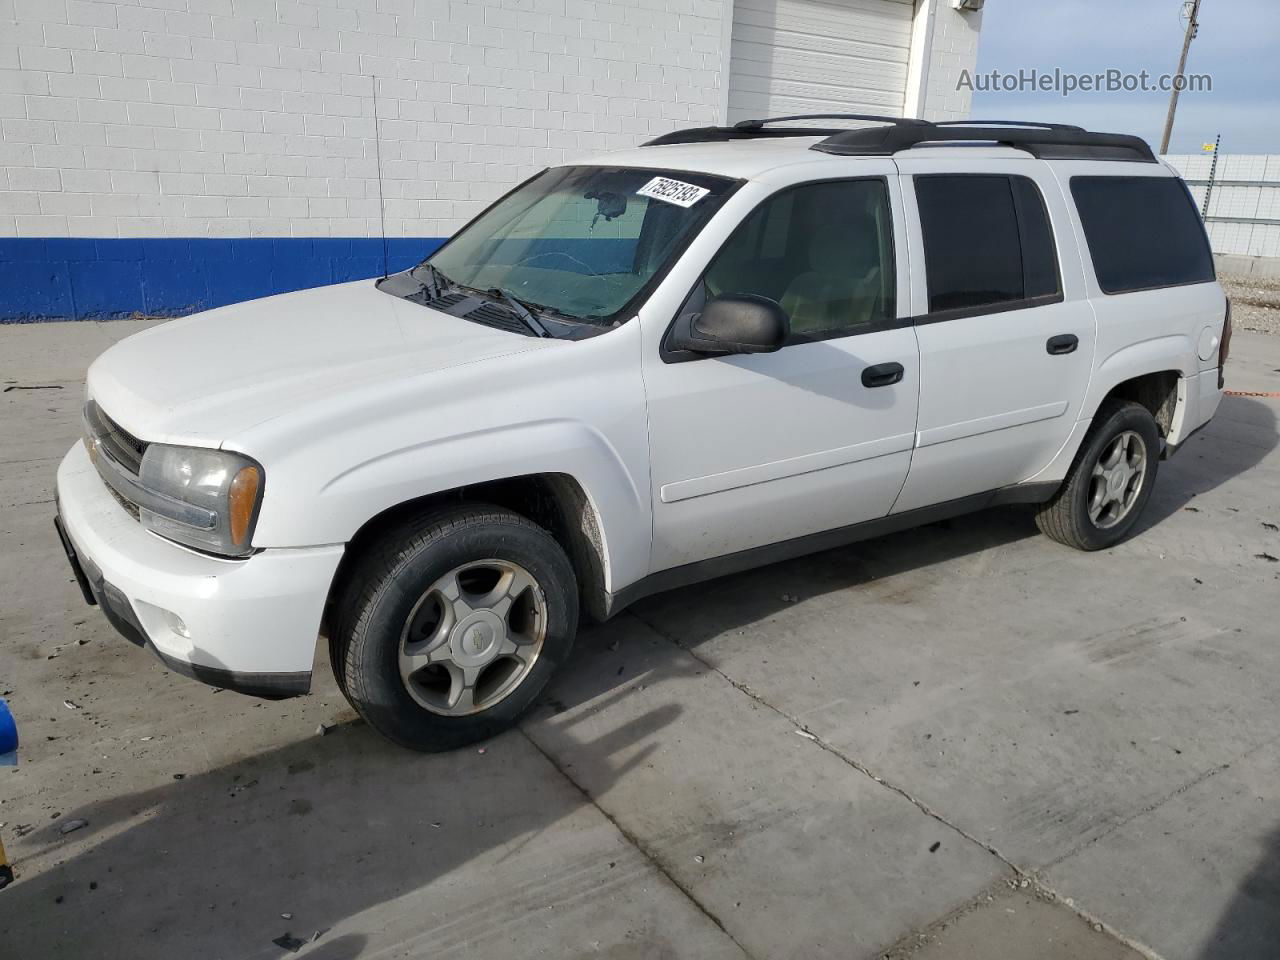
717	350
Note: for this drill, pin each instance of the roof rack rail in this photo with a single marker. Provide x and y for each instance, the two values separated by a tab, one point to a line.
756	129
1047	141
1008	123
869	117
1044	141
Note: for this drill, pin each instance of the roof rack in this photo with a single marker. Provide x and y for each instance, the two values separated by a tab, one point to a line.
1008	123
756	129
1046	141
869	117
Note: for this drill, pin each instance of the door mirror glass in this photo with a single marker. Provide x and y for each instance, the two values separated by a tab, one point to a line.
733	323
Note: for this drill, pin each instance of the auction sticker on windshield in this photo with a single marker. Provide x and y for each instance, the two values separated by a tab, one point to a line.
673	191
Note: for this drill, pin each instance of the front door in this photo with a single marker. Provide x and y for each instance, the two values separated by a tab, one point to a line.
758	449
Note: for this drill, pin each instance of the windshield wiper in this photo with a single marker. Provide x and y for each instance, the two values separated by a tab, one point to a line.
521	309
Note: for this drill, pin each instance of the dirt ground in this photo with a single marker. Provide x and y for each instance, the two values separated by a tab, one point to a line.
1255	303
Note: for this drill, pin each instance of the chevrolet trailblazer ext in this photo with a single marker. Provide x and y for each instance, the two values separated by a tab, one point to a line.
720	349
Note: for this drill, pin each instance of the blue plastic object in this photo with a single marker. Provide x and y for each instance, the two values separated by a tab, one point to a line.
8	737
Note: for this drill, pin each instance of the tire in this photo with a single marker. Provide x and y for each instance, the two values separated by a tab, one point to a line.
1067	518
433	606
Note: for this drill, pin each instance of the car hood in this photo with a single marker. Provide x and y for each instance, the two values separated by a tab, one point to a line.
205	377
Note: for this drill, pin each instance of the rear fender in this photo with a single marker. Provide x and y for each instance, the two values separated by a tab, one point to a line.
1175	352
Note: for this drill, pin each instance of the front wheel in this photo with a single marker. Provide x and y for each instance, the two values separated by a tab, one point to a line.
1110	481
451	626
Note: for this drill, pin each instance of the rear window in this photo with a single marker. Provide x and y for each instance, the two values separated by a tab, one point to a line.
1143	232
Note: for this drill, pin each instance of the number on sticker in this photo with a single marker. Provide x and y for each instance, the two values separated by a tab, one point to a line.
673	191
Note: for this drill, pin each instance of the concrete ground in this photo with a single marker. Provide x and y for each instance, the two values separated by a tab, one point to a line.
964	741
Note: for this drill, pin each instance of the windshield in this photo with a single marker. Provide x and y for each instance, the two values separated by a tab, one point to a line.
581	241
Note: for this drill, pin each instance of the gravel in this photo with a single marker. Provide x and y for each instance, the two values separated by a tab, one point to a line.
1255	303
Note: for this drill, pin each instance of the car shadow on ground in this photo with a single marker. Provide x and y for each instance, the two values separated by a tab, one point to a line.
323	829
1249	929
716	607
1237	440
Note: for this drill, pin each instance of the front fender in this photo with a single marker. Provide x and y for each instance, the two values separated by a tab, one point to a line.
344	503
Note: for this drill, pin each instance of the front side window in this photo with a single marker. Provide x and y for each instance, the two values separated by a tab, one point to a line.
582	241
1143	232
824	251
987	241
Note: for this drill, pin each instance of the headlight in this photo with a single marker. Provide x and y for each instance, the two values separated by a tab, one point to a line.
208	499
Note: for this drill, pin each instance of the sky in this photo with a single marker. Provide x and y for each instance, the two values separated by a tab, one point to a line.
1238	46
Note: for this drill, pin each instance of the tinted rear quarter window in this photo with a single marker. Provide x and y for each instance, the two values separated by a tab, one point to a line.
1143	232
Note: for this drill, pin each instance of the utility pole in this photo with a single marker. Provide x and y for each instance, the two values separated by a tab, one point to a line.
1193	27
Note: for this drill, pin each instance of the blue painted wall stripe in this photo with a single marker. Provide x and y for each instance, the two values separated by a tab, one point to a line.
62	278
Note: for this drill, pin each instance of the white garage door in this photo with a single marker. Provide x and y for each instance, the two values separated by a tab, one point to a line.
818	56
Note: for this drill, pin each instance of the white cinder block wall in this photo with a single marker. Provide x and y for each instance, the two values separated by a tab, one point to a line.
944	44
238	118
163	156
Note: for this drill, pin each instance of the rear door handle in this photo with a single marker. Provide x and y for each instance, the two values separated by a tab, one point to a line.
1063	343
882	375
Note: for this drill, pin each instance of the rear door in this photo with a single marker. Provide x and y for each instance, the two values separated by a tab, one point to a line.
1005	329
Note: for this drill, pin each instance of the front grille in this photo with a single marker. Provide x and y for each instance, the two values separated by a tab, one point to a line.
110	440
117	442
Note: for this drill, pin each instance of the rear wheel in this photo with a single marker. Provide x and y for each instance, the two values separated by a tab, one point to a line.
449	628
1110	481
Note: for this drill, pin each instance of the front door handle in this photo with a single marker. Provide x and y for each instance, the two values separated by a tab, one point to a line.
882	375
1063	343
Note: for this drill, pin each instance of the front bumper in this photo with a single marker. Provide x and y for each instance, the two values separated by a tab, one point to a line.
246	625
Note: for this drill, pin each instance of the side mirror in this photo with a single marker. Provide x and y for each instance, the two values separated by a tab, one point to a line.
733	323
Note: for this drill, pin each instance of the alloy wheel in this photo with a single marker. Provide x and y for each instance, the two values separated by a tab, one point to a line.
1117	480
472	637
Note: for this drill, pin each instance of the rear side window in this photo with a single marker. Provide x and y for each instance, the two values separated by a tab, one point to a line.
987	242
1143	232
